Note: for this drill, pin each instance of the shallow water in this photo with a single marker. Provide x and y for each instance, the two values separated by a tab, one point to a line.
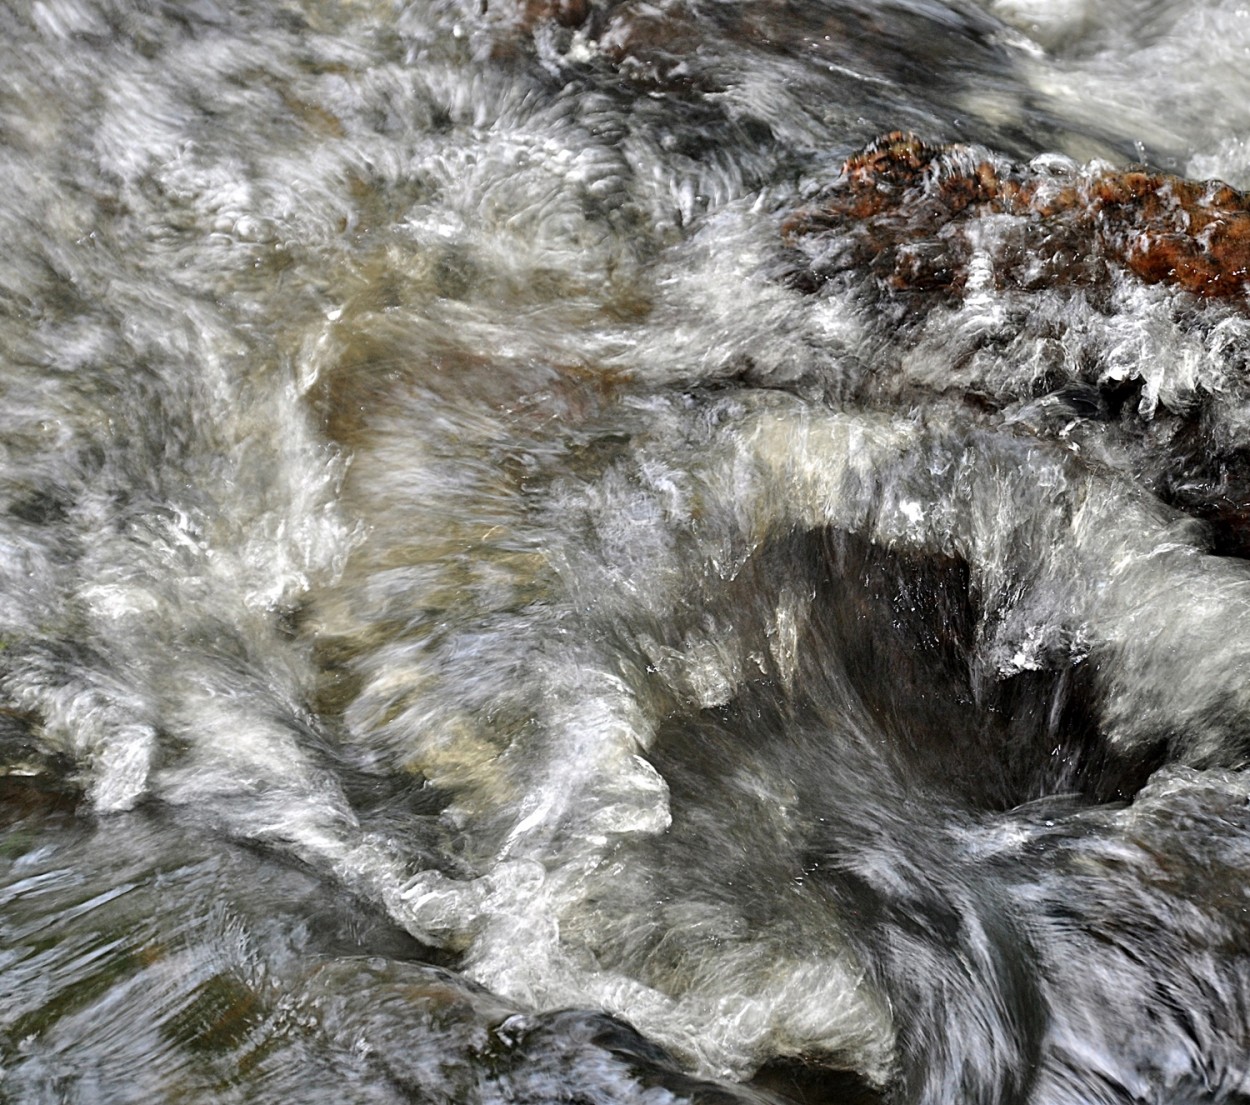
474	630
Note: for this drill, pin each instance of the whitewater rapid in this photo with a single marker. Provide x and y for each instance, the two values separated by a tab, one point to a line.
476	627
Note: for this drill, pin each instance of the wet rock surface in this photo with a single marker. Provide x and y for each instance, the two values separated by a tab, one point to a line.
646	34
942	219
1057	266
816	58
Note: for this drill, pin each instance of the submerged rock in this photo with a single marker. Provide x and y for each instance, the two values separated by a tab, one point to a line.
696	50
939	219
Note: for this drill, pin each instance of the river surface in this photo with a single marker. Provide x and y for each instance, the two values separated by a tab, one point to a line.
476	628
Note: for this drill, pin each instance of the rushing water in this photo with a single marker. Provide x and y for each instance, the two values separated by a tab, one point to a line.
473	629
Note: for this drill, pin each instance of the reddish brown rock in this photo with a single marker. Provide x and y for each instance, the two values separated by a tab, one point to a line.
916	216
567	13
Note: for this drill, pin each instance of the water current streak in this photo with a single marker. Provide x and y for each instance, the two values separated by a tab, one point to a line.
624	553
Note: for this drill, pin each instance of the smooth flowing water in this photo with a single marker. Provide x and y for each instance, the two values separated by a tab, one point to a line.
493	609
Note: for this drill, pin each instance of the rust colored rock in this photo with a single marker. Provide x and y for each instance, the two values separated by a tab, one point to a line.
568	13
526	15
919	217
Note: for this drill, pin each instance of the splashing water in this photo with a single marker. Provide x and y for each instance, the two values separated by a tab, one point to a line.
489	614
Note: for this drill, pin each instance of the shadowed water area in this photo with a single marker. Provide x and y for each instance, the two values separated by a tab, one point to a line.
599	552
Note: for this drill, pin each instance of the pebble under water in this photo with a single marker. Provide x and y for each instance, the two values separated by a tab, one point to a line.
625	552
